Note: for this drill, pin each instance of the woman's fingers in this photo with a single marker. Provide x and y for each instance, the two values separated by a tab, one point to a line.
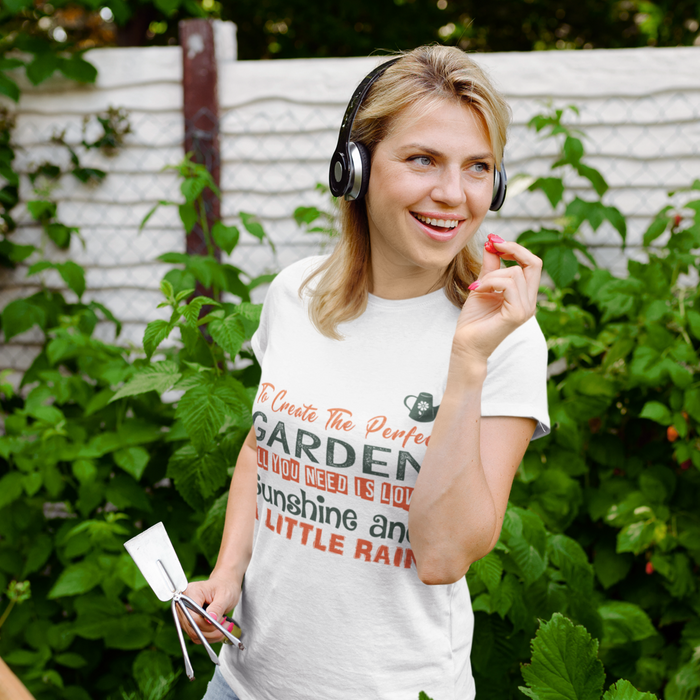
530	264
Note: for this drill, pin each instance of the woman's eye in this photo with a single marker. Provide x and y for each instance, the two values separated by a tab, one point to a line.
421	160
481	167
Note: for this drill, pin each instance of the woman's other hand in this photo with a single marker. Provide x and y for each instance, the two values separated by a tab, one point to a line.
219	594
500	300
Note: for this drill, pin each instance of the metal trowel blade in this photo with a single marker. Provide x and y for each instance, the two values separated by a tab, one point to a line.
146	550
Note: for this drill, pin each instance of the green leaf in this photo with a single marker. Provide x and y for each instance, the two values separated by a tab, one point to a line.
156	332
210	532
38	554
192	187
132	460
573	149
41	209
229	334
9	88
565	664
42	67
226	237
73	275
10	488
624	622
657	228
60	234
78	69
160	377
253	226
203	412
19	316
657	412
595	178
610	567
553	187
624	690
489	570
151	666
70	660
197	477
192	310
188	215
561	265
424	696
691	400
76	579
568	555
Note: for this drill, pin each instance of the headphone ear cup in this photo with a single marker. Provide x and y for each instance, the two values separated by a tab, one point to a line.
500	185
365	159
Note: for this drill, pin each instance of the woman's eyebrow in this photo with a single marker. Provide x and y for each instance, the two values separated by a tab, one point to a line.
437	154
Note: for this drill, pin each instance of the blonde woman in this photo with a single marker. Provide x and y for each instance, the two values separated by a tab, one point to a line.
403	377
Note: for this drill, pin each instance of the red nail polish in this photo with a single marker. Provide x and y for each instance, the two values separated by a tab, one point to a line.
213	615
494	238
230	627
473	286
488	247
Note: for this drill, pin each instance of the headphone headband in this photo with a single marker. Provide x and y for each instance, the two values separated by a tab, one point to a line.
350	164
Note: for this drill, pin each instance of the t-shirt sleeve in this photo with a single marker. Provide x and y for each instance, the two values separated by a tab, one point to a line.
516	379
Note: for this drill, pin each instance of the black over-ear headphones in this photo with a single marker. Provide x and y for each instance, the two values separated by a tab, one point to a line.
349	172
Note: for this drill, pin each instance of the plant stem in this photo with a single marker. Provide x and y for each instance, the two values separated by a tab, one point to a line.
205	226
9	607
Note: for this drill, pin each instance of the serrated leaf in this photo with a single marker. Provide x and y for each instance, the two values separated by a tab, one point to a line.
489	570
132	460
160	376
197	477
203	413
192	187
156	332
76	579
624	690
166	288
561	265
568	555
226	237
653	410
192	310
565	664
210	532
229	334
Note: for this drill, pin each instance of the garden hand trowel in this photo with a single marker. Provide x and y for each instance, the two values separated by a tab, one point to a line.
155	557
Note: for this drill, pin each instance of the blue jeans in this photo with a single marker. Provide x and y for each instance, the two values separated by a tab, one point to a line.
218	688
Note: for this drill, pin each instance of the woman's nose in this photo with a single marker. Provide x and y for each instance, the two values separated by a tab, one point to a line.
449	187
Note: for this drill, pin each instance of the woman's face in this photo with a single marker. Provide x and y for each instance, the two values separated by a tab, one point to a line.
431	184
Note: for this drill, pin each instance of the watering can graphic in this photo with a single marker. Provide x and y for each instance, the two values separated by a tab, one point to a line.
421	409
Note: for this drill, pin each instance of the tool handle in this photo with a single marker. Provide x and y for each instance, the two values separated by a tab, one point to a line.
181	637
198	609
181	603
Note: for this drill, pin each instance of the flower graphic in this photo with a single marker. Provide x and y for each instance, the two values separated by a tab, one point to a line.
422	406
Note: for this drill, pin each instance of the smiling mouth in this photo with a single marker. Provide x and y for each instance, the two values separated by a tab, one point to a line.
440	225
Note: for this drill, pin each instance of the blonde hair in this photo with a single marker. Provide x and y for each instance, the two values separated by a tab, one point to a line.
424	76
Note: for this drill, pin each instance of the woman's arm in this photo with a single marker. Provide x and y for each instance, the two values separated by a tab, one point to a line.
461	493
223	588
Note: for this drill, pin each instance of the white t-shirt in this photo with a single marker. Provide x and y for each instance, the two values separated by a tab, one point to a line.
332	607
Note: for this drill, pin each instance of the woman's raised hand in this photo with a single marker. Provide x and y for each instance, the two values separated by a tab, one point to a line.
500	300
219	594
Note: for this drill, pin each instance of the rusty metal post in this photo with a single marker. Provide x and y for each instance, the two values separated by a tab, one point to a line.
201	113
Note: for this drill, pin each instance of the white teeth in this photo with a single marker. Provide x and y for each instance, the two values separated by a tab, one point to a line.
444	223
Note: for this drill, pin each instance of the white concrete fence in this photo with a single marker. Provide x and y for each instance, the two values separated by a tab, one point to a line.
279	120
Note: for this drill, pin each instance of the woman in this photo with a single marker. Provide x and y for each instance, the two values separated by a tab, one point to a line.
349	454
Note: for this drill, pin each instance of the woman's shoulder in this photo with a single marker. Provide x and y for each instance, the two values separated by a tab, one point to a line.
292	276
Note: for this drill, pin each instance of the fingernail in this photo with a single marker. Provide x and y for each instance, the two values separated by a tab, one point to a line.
230	627
473	286
494	238
213	615
488	247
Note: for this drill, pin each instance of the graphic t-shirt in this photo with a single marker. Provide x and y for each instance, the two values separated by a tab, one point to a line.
332	607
